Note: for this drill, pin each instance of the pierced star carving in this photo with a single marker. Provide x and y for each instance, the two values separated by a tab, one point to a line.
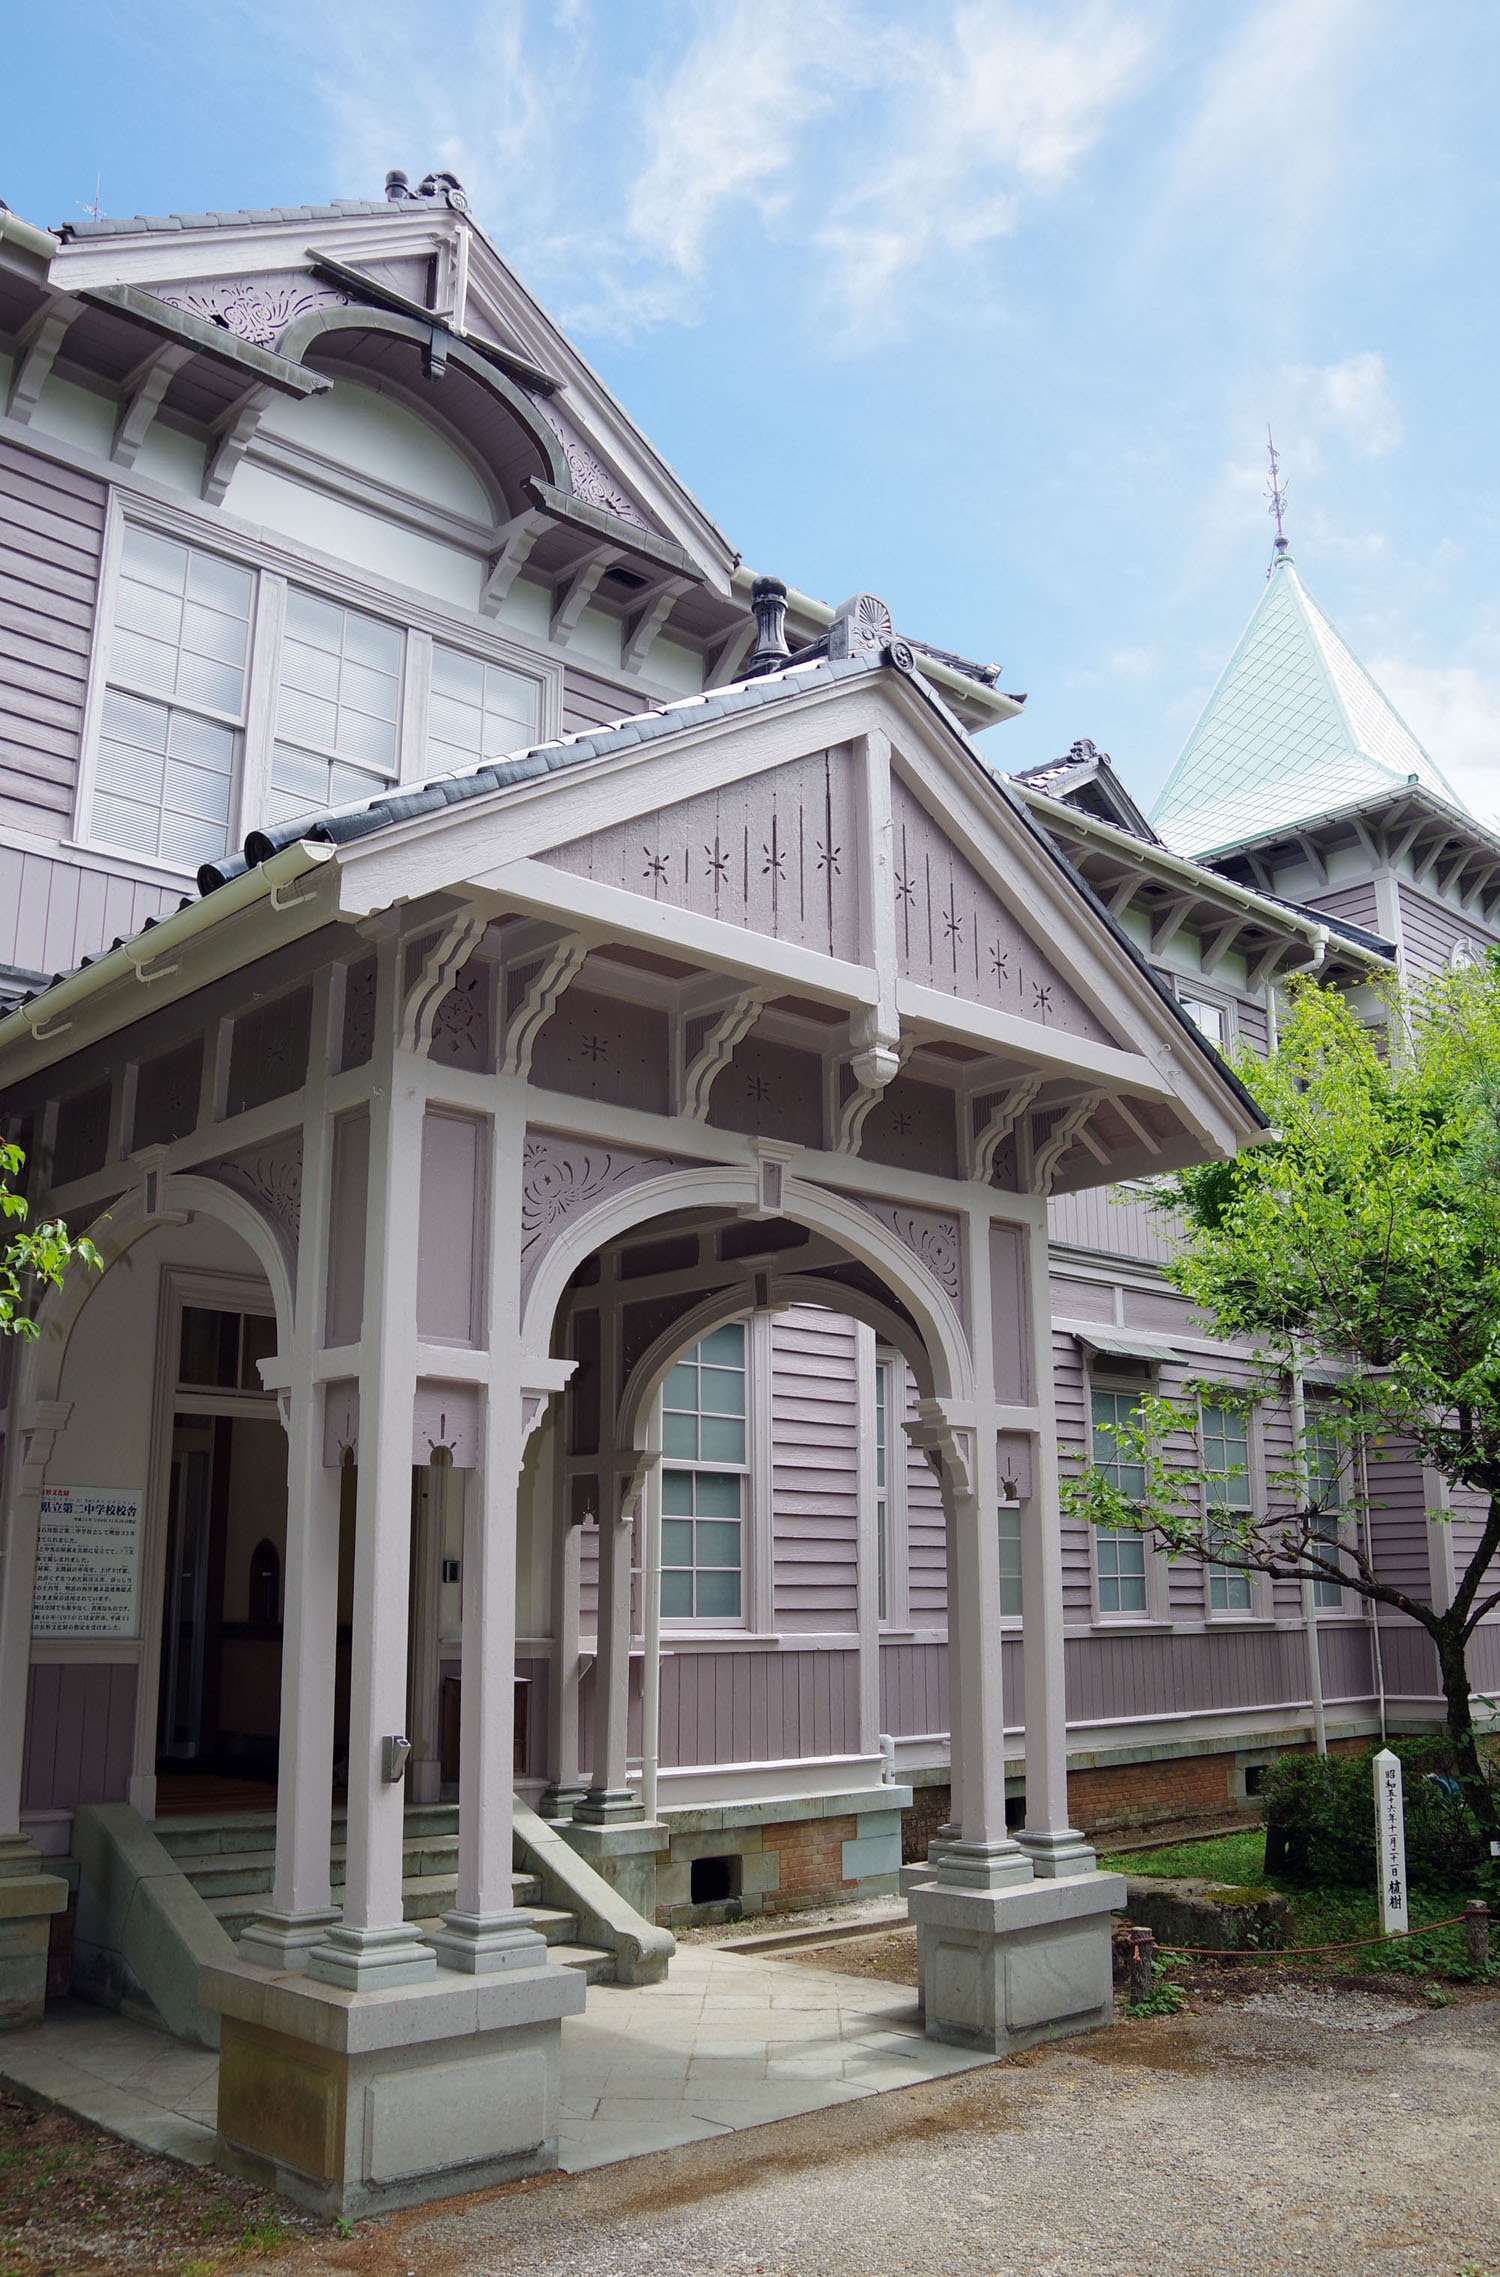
656	865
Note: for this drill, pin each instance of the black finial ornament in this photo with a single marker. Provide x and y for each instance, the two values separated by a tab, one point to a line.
397	187
768	600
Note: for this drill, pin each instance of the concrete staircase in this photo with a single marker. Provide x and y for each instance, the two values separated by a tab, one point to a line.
228	1859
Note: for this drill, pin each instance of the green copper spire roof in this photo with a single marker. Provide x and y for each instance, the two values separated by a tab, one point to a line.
1296	726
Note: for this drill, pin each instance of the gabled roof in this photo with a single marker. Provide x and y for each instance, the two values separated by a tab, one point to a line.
1086	779
1295	727
135	225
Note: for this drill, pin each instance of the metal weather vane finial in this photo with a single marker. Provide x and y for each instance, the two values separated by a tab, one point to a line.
1276	493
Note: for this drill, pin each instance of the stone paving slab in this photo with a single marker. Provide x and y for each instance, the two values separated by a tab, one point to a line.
731	2040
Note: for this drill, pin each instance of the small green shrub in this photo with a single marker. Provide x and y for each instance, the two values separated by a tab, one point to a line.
1320	1819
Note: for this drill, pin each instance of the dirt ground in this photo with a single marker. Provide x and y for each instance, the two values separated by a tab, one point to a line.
1278	2127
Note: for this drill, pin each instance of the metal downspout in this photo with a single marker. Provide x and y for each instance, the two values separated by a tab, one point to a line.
1309	1606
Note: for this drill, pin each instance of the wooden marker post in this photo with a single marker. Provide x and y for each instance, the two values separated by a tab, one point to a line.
1390	1842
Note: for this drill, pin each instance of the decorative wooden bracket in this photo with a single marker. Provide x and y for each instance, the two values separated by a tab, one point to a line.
533	986
443	959
517	537
36	353
578	588
632	1470
1068	1127
654	612
947	1440
874	1065
232	437
994	1115
38	1437
709	1036
144	390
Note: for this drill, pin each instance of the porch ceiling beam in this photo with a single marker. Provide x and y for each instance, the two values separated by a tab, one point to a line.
541	891
143	394
1029	1042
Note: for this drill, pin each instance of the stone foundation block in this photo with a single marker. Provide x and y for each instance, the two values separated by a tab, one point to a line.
28	1900
1001	1969
352	2103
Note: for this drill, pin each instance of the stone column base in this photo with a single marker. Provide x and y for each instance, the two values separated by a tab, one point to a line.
625	1854
1003	1968
352	2103
28	1900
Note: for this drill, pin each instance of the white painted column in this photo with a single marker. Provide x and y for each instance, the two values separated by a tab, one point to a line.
301	1902
484	1933
372	1946
1054	1846
984	1856
566	1786
30	1434
610	1797
867	1586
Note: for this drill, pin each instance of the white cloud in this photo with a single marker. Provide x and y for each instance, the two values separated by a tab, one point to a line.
1000	106
1352	400
1136	663
1266	136
1455	711
726	125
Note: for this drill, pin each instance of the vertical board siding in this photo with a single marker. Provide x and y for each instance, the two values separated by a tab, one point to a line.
1430	930
80	1729
913	1689
926	1534
1347	1660
1409	1661
54	914
1121	1228
757	1707
1114	1675
815	1471
51	543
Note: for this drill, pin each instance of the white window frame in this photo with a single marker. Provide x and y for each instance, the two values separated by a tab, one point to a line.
419	618
709	1624
1188	993
1255	1494
1156	1611
1328	1597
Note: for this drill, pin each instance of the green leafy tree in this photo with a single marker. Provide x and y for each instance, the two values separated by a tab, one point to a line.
32	1259
1362	1239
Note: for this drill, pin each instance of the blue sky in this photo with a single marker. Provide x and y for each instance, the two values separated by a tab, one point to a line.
981	304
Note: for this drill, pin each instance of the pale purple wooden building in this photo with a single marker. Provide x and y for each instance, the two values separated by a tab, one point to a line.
606	1122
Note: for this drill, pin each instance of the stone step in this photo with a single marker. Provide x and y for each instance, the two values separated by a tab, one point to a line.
203	1835
591	1961
425	1897
223	1873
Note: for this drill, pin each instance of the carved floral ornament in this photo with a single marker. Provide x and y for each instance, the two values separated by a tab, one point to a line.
592	482
561	1176
270	1177
934	1240
257	309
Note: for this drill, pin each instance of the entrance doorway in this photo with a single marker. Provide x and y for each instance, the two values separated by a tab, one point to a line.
219	1708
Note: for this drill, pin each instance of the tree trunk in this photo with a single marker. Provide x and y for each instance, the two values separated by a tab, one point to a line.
1447	1635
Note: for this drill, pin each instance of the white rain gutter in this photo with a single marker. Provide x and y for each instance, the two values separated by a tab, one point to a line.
154	956
1309	1605
25	234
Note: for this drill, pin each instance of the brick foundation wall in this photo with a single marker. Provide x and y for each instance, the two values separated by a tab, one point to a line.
1174	1792
930	1809
811	1852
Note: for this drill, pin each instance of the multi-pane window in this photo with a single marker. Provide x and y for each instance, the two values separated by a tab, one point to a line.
174	708
338	708
1207	1018
1225	1435
703	1437
479	711
1325	1492
1120	1553
336	705
1010	1560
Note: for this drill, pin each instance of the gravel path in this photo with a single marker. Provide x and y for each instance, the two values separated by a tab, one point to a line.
1244	2141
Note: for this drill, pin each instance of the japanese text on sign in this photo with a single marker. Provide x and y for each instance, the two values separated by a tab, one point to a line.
1390	1842
88	1562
